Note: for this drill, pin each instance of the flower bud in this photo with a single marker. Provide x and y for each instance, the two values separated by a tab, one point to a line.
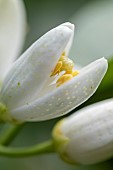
86	137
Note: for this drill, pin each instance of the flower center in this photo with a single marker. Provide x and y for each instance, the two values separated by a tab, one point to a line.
67	65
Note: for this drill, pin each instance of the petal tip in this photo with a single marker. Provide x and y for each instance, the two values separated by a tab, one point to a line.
104	62
104	59
69	25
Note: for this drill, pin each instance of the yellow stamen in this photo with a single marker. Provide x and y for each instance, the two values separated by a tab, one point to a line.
67	65
64	54
75	73
57	68
64	78
62	57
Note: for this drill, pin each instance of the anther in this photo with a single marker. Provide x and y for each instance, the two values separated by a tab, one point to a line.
64	78
67	65
57	68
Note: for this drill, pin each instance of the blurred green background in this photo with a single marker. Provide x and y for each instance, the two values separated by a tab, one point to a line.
93	39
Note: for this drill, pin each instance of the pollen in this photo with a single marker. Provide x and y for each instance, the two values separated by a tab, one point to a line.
64	64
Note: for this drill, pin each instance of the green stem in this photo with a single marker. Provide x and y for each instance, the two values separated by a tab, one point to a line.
45	147
10	133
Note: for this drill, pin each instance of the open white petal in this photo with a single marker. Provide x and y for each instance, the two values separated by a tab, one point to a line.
31	71
66	97
68	46
12	32
90	133
49	88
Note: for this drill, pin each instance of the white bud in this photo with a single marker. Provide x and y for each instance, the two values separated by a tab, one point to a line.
86	137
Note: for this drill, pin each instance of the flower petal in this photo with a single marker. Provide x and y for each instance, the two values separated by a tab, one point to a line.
68	46
31	71
12	32
66	97
90	134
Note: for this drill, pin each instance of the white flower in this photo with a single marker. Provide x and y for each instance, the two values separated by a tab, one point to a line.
86	137
28	91
12	33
